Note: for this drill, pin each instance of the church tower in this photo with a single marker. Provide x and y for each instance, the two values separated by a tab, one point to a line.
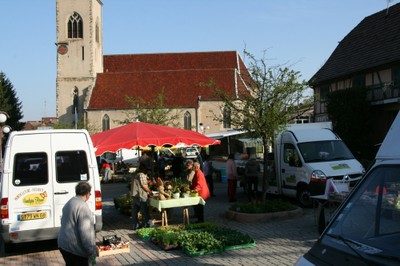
79	56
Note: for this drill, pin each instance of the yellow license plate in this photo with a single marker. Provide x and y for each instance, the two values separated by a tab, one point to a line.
32	216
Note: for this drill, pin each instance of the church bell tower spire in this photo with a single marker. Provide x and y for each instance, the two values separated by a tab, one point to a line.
79	56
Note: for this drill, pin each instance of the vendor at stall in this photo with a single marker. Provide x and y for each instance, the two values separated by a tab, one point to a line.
199	183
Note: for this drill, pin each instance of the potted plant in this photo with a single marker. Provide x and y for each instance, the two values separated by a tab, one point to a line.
185	190
176	193
194	193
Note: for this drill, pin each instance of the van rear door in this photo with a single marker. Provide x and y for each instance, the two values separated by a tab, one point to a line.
71	153
30	188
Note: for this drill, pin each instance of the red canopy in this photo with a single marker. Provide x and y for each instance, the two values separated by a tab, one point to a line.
140	135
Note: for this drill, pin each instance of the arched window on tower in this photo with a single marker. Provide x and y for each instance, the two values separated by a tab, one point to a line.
75	26
187	121
106	122
97	32
226	117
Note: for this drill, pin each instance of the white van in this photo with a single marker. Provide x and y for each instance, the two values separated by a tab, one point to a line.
305	156
39	173
365	230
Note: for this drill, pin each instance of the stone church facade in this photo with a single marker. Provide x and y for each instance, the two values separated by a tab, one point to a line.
93	88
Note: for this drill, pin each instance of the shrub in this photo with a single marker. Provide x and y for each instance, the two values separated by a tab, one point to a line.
268	206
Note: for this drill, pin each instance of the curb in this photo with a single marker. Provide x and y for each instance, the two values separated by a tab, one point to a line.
263	217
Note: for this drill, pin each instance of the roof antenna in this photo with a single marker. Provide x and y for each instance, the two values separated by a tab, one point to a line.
387	6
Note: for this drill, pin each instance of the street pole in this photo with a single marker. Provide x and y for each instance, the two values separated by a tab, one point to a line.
3	129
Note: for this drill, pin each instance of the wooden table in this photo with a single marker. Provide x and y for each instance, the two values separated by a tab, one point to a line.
163	205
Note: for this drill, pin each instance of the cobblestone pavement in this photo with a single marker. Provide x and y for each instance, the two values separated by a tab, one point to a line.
277	242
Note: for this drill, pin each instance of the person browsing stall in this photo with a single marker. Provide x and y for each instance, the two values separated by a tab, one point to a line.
232	175
189	170
139	192
208	171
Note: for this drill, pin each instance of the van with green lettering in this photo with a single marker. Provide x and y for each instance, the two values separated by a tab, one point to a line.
305	156
38	176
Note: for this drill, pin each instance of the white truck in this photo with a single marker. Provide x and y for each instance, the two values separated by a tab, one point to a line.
305	156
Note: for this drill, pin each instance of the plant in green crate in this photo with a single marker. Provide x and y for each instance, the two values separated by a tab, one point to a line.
145	232
169	238
230	237
198	241
206	226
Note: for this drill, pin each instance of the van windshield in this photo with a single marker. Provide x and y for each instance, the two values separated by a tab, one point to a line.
321	151
370	220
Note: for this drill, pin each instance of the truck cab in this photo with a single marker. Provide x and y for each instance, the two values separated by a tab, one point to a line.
365	230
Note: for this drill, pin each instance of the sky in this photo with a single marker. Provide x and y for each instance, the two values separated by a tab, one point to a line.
300	34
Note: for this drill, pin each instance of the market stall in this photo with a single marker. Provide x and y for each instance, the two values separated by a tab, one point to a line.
163	205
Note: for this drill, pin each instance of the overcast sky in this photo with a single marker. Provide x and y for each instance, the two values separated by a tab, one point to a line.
302	33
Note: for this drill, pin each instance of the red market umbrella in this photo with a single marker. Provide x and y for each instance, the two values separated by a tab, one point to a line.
142	135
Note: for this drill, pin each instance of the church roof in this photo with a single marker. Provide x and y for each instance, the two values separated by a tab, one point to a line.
375	41
179	75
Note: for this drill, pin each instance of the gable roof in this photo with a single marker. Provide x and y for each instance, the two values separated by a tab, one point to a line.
375	41
178	74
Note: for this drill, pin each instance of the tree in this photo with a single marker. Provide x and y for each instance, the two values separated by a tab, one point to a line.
10	103
153	111
340	104
272	99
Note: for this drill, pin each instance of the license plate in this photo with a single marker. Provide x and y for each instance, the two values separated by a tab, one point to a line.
32	216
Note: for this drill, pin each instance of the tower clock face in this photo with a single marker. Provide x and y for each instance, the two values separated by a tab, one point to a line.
62	49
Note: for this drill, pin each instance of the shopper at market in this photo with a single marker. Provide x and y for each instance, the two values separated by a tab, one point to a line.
107	171
231	174
208	172
189	170
139	193
199	183
146	160
76	240
177	165
251	170
161	163
200	160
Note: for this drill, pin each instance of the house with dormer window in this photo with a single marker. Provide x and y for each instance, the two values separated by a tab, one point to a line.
368	56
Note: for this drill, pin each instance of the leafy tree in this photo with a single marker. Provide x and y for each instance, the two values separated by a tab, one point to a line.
10	103
153	111
354	129
269	103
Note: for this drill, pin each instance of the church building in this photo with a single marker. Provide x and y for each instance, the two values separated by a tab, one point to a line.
94	88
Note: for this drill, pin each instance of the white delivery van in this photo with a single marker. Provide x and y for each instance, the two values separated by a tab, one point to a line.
305	156
39	173
365	230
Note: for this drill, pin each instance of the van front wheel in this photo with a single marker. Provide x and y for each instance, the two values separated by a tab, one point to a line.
304	197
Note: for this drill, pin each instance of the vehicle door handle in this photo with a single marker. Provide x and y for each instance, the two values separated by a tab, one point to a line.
61	193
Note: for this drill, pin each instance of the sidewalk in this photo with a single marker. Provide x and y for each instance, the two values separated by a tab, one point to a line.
278	242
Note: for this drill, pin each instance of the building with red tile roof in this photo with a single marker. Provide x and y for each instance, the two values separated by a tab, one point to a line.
180	76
